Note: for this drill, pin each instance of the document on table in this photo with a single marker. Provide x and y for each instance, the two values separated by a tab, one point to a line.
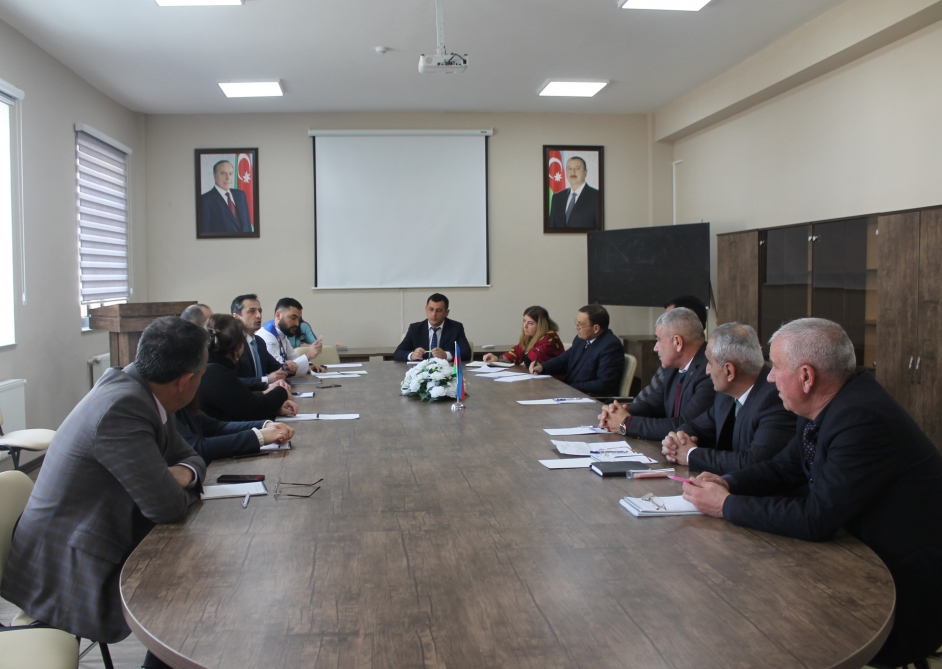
499	374
303	395
338	375
560	400
585	449
522	377
277	447
484	365
582	429
610	456
567	463
224	490
659	506
335	365
318	416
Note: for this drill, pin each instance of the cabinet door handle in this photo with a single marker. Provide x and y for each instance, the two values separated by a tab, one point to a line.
911	358
918	362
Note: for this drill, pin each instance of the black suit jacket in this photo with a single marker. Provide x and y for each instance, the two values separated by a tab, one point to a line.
245	368
727	442
218	219
214	439
585	213
417	336
652	417
875	474
596	370
224	397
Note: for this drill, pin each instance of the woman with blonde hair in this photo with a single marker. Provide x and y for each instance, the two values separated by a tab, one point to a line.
539	340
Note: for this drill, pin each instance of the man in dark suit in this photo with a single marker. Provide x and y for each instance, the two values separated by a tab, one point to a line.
857	461
687	391
115	468
747	422
595	362
257	368
434	337
224	209
576	207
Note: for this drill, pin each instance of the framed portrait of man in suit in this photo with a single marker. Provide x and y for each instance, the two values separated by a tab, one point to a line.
226	193
573	188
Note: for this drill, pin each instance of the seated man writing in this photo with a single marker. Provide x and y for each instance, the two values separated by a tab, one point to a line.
595	362
687	391
747	422
275	332
434	337
857	461
256	368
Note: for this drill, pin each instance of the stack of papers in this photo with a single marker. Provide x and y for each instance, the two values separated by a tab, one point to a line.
335	365
318	416
659	506
567	463
303	395
224	490
277	447
521	377
488	365
582	429
338	375
560	400
498	374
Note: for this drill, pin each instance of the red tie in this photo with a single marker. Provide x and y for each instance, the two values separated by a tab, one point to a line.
231	205
680	389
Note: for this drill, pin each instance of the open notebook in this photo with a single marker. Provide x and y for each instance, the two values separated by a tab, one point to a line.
659	506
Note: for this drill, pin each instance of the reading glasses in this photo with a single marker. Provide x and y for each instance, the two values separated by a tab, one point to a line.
279	483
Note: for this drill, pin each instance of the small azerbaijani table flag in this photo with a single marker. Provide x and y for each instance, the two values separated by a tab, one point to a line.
460	390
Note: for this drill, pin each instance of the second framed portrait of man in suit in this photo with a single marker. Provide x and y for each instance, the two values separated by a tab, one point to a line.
226	193
573	188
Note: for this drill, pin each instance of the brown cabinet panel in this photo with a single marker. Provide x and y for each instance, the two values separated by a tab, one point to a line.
897	315
737	278
929	376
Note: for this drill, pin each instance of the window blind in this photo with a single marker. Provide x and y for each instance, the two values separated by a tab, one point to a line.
102	187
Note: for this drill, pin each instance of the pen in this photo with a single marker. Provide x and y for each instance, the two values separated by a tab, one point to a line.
245	502
682	479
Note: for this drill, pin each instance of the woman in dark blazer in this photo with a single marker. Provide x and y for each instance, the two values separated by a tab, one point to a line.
222	395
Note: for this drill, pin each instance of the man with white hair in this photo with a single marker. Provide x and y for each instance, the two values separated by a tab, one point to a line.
858	462
747	422
687	391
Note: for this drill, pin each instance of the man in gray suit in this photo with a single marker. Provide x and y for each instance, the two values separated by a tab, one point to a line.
115	468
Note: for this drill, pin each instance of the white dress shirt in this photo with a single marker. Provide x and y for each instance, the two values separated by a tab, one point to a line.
276	345
450	356
163	419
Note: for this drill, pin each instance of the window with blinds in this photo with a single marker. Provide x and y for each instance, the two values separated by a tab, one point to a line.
102	186
7	299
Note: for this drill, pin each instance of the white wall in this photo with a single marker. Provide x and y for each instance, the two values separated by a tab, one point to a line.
526	266
51	350
864	139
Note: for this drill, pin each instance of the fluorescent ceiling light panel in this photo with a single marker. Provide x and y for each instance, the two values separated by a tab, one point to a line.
675	5
252	89
573	89
197	3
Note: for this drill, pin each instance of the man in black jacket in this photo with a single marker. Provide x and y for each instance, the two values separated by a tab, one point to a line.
747	422
857	461
257	368
214	439
436	336
687	391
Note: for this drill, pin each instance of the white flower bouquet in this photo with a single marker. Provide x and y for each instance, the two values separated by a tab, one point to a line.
431	379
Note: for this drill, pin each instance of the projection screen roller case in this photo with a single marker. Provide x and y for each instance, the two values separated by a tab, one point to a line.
400	210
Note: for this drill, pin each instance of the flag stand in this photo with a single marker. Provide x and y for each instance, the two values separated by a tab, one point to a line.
458	405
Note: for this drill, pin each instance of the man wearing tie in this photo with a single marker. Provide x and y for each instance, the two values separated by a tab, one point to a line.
225	210
747	422
595	362
687	391
578	206
256	368
436	336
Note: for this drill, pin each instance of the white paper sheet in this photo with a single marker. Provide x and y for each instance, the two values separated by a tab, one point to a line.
560	400
343	364
522	377
623	457
224	490
673	506
303	395
585	449
582	429
499	374
338	375
567	463
318	416
277	447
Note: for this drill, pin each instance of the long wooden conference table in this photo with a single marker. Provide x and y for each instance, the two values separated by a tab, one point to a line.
438	540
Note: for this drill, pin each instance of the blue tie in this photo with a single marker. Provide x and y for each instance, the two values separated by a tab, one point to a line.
255	358
434	342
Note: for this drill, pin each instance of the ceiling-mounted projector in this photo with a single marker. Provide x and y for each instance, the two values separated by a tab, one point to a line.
441	60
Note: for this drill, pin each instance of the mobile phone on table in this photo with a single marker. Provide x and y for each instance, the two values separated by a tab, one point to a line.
240	478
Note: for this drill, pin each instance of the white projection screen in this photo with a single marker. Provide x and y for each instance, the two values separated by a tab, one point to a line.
400	210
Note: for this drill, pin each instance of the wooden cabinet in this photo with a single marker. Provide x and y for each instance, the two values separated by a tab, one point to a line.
910	318
737	278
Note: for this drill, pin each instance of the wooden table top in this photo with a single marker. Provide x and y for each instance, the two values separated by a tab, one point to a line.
363	354
438	540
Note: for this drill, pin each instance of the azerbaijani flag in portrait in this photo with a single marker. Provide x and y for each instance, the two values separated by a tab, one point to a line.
557	175
246	183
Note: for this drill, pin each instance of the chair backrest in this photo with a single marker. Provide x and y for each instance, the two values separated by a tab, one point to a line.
567	345
300	350
471	344
327	356
15	488
631	364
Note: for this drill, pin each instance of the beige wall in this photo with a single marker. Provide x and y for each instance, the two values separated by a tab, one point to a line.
51	351
863	139
526	266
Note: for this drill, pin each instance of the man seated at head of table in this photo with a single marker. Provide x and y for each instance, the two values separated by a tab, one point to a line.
856	461
257	368
222	394
197	314
539	340
595	362
287	320
747	422
216	439
436	336
115	468
687	391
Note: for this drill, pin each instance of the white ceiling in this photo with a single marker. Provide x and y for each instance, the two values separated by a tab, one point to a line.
169	60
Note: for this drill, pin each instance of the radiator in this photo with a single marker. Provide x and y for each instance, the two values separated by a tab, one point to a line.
13	404
97	367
